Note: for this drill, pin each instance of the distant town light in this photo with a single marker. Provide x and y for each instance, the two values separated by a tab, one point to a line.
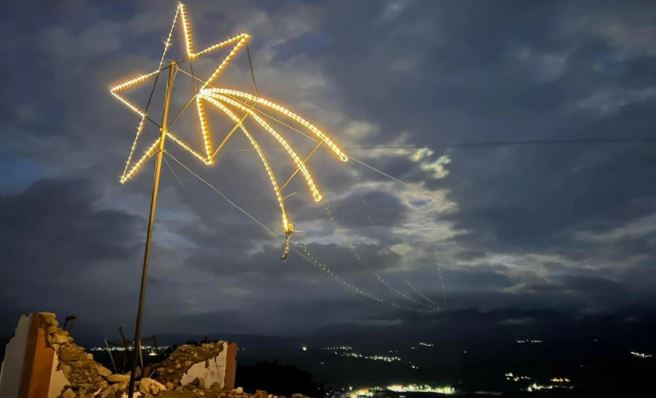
400	388
641	355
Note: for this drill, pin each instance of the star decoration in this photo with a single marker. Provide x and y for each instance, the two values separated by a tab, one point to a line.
228	102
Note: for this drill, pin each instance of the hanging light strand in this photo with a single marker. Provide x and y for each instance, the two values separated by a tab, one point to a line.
360	261
292	154
302	250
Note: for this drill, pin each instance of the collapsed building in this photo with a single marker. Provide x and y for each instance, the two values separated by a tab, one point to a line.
42	360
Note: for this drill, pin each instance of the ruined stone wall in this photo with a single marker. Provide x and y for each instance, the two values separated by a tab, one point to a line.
12	366
66	370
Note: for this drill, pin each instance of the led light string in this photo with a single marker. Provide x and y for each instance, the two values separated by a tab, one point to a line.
439	273
427	299
359	161
304	253
371	223
335	226
217	98
299	248
351	248
287	227
144	115
291	115
360	261
299	164
223	99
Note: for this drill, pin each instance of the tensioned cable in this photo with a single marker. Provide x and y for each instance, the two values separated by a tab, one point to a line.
310	258
305	255
250	64
360	261
407	185
379	277
427	299
330	214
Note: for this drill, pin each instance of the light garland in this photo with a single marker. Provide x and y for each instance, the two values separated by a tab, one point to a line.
360	261
337	279
288	228
221	99
299	163
284	112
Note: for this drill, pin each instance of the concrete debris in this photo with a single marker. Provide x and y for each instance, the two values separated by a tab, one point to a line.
172	369
90	379
150	386
84	374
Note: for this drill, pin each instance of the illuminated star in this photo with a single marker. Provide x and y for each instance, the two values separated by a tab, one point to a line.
228	102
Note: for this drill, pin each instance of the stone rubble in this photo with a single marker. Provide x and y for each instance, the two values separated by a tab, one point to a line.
90	379
87	377
170	371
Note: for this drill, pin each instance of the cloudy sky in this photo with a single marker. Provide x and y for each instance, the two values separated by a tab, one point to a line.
563	227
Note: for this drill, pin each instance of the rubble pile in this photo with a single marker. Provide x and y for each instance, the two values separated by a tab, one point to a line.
90	379
170	371
193	390
86	377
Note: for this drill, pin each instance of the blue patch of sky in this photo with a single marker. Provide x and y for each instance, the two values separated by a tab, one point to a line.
18	172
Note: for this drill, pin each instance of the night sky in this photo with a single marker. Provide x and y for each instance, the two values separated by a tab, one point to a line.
565	229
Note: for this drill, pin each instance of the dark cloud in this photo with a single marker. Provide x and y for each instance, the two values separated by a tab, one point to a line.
556	228
372	208
59	248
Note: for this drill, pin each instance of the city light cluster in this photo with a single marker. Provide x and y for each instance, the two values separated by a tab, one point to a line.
122	349
510	376
641	355
539	387
400	388
447	390
338	348
383	358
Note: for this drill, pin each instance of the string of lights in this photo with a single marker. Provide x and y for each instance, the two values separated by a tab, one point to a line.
278	108
337	229
407	185
300	249
371	222
220	99
299	163
158	146
427	299
304	251
287	227
439	273
360	261
144	114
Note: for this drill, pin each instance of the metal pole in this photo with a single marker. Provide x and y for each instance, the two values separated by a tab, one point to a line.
149	232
